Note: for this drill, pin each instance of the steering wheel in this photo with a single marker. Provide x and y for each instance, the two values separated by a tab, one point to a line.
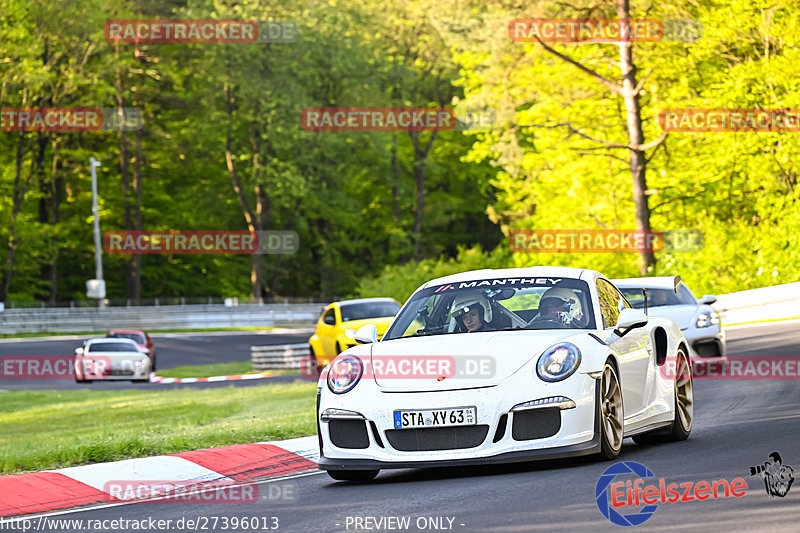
549	323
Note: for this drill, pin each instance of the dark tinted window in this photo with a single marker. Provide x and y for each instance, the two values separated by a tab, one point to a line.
329	317
660	297
112	347
135	337
368	310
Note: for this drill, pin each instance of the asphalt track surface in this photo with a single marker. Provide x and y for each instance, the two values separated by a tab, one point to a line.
737	424
172	350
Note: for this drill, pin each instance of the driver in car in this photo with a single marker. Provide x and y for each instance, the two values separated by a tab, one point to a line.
559	305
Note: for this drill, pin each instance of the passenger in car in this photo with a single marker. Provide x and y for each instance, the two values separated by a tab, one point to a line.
473	319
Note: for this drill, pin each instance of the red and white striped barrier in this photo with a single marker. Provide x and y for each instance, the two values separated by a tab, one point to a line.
40	492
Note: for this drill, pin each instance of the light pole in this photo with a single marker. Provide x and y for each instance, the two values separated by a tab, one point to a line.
98	251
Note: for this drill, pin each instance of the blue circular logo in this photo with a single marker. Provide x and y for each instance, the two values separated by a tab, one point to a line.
603	500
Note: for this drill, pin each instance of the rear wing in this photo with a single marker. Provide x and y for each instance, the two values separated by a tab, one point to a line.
665	282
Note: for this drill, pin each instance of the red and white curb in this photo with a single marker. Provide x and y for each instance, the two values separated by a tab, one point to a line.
160	379
40	492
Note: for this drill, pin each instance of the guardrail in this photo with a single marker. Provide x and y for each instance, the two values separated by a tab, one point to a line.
65	320
279	357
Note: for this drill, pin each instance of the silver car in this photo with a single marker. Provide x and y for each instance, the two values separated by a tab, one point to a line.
699	322
107	359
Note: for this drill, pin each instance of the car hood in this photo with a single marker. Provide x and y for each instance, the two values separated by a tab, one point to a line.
381	323
683	315
115	355
465	360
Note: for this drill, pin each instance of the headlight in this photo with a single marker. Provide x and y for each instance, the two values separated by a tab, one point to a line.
558	362
707	319
344	373
140	364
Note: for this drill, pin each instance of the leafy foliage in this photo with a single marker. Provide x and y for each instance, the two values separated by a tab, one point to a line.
353	197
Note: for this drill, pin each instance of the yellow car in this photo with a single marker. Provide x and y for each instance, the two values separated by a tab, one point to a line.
329	340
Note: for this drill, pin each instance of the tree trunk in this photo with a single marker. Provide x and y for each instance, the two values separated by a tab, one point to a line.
124	167
395	181
45	205
420	155
56	183
18	198
263	212
638	161
255	274
136	260
263	208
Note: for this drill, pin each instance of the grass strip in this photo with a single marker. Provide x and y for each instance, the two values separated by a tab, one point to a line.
54	429
218	369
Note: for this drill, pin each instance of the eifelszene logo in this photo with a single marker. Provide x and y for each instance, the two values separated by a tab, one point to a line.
615	497
777	477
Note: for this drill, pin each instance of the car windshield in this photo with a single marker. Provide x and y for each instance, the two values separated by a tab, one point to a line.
135	337
495	305
364	310
659	297
112	347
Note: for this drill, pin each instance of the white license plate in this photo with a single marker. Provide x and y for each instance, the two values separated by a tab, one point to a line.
426	418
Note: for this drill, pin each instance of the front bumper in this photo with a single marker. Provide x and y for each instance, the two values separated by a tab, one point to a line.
578	433
706	343
575	450
108	369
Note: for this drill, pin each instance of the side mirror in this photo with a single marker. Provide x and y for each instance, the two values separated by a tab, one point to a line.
629	319
78	351
708	299
366	334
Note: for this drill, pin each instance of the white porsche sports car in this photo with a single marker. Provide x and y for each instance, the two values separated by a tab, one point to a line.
699	322
496	366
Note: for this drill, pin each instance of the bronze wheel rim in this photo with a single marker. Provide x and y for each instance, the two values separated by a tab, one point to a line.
611	405
684	392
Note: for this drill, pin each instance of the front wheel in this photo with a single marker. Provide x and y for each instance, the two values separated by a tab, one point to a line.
353	475
611	414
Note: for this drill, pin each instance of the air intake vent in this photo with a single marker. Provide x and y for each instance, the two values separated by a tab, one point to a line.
536	423
349	433
501	428
375	434
429	439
